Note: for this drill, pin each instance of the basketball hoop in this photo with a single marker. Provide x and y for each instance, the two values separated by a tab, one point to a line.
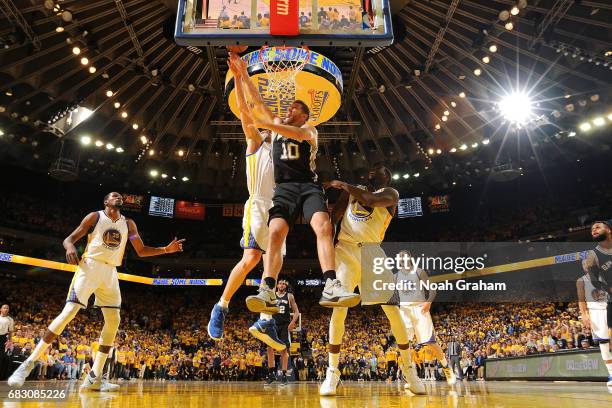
281	65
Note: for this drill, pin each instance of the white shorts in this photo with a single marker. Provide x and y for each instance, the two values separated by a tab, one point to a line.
599	324
351	258
421	323
255	224
95	277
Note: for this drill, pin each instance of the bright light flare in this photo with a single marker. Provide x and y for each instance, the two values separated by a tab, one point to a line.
516	108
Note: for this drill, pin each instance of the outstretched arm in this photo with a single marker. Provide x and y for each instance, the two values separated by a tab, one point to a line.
388	197
260	109
176	245
289	131
90	220
251	133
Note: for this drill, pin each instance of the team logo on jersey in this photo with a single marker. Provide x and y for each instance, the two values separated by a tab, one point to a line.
111	238
359	211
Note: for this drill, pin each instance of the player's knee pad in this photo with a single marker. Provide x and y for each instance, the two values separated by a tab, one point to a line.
111	325
398	328
336	325
58	324
605	350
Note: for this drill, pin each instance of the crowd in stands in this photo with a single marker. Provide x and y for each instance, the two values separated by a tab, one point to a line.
166	338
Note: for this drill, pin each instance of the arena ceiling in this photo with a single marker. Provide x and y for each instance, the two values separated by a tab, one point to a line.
425	105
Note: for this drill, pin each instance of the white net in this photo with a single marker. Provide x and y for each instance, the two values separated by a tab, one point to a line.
281	65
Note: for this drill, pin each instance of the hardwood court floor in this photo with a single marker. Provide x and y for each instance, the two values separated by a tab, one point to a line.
190	394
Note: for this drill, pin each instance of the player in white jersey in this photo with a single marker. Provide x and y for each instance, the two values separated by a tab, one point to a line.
594	291
260	183
366	213
414	308
96	273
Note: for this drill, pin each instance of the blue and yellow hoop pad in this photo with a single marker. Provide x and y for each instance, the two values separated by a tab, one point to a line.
319	84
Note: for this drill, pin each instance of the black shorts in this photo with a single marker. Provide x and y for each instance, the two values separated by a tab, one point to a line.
282	329
292	198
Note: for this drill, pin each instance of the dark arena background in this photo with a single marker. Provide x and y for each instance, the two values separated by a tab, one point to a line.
458	127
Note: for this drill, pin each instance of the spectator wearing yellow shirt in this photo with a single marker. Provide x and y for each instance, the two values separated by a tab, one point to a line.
81	354
391	358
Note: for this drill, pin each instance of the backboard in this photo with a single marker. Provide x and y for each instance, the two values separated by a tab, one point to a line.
364	23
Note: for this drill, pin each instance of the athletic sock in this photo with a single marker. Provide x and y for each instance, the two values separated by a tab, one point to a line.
334	359
38	350
265	316
609	367
223	303
270	282
331	274
406	357
99	363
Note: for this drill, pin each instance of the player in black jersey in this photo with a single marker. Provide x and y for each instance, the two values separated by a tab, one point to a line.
598	272
294	150
284	324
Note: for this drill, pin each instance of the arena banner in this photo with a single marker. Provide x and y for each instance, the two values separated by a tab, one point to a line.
189	210
407	272
574	365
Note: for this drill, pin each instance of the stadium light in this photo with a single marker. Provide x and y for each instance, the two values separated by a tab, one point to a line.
462	94
493	48
475	145
124	114
486	59
119	150
406	176
516	107
514	10
477	71
117	105
164	175
84	61
99	143
92	70
135	126
585	127
417	175
85	140
430	151
109	146
453	150
185	179
509	26
444	118
180	152
446	113
571	134
610	116
453	104
463	146
396	176
151	152
109	93
599	121
485	142
143	139
76	50
154	173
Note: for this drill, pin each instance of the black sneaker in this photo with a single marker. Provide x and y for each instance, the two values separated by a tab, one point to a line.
283	380
271	378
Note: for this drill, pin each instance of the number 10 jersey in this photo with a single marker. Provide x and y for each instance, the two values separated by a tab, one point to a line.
294	161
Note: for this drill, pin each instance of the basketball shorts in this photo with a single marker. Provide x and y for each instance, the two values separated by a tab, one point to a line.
354	269
421	323
282	329
291	199
98	278
599	324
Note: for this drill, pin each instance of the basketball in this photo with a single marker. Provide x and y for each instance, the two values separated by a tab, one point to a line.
237	49
306	203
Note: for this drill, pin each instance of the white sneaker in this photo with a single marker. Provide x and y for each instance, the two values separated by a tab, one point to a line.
264	301
335	295
97	384
21	373
451	379
332	378
413	382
